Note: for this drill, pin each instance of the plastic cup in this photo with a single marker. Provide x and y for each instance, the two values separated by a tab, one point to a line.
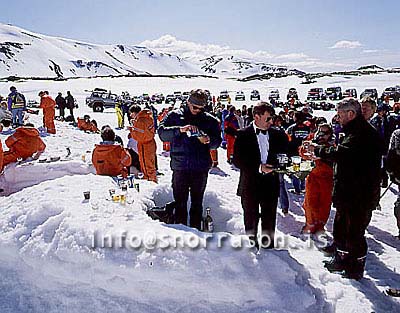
86	195
296	161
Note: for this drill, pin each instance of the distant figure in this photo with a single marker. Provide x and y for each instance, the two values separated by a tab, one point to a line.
70	103
16	105
24	143
61	104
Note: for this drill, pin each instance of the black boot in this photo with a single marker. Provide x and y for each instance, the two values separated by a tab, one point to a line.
338	263
329	250
355	268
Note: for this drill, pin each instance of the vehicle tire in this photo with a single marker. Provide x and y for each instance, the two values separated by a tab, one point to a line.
98	107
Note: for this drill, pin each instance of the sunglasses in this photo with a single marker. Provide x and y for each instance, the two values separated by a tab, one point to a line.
269	119
197	107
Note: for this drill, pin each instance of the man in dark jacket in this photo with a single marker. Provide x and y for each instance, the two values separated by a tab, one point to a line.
297	133
356	190
192	133
70	103
61	104
255	154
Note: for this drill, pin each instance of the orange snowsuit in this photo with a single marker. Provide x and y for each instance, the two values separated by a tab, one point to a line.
24	143
318	196
143	132
48	105
87	126
161	116
111	160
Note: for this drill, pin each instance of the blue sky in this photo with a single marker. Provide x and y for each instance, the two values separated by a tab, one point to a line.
330	31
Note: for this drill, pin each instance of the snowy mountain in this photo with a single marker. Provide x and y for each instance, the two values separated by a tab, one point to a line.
27	54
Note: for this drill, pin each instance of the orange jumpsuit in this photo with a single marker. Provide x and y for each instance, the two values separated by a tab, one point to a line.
48	105
87	126
161	116
143	132
318	196
24	143
111	160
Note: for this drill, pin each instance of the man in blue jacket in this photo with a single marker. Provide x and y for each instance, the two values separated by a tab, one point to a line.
17	106
192	132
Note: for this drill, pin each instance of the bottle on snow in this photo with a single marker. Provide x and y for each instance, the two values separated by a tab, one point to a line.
208	224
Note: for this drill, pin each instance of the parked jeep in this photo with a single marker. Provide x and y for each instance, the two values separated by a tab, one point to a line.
240	96
255	95
392	93
170	99
372	92
334	93
274	95
223	96
101	99
350	93
292	93
316	94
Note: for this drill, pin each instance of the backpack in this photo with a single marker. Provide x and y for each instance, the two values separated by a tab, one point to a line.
18	101
164	214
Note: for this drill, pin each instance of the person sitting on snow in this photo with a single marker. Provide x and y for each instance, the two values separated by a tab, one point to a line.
5	114
109	158
86	125
24	143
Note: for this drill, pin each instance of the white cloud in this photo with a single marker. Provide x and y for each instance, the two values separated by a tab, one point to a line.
192	50
370	51
292	56
346	44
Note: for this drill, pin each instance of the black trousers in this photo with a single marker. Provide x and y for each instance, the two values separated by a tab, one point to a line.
262	205
183	183
349	229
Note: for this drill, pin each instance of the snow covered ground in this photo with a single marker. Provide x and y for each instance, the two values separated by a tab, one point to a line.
54	255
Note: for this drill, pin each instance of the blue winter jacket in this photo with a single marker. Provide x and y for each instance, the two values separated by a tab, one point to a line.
188	153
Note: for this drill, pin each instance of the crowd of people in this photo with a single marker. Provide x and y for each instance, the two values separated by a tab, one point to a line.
354	155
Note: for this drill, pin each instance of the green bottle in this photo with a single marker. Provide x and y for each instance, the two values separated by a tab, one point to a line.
208	224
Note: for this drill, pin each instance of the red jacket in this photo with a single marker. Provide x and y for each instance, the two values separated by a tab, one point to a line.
111	159
25	142
87	126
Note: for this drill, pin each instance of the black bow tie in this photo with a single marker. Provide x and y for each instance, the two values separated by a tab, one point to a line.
263	131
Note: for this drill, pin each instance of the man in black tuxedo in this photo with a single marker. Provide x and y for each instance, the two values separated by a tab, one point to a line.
255	154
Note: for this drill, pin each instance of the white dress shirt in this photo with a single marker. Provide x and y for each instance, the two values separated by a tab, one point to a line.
263	144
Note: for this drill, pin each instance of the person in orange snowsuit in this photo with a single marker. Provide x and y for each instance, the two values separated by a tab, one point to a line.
86	125
48	105
142	130
166	144
24	143
109	158
319	184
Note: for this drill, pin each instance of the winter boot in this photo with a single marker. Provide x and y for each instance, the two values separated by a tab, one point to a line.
329	250
355	268
338	263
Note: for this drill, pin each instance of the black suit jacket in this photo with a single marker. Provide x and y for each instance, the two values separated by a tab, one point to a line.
247	158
